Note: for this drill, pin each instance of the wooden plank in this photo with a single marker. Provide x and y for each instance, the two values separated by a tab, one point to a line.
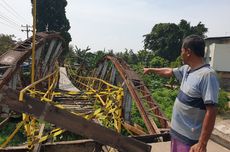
134	130
71	122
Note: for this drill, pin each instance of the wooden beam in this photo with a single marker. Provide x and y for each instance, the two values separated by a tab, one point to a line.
133	129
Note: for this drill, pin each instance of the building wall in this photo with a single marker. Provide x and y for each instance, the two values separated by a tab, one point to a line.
218	56
209	53
221	57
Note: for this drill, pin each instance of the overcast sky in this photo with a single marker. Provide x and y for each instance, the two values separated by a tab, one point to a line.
120	24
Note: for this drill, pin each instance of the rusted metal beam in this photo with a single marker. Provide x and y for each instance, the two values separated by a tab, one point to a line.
152	128
165	123
11	60
134	129
71	122
141	95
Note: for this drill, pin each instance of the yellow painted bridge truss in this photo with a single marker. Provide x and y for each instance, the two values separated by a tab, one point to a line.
100	102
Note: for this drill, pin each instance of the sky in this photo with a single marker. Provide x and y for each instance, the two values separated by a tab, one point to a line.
120	24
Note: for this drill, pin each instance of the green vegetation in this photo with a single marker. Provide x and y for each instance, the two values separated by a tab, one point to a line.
6	42
223	99
165	98
67	136
136	117
165	39
5	132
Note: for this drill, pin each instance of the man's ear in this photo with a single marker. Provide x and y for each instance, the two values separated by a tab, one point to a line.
189	52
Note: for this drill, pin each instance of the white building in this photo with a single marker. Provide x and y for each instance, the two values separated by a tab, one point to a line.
217	54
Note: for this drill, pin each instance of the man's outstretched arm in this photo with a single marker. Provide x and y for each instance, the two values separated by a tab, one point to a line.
165	72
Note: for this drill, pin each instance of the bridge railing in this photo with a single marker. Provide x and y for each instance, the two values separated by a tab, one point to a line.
108	99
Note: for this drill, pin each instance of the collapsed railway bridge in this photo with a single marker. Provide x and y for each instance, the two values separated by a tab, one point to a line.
98	111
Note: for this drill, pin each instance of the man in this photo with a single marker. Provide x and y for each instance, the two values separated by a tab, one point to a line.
194	110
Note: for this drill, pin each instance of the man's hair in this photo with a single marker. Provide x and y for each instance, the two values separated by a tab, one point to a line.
195	43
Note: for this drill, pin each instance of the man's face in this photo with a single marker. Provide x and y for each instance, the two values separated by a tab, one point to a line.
184	55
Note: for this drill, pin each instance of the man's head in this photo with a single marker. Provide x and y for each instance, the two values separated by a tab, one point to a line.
193	46
195	43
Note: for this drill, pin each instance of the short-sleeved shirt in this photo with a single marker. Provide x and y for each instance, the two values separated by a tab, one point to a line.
199	87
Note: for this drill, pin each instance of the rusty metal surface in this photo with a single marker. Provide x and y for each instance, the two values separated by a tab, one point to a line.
141	94
11	60
11	57
71	122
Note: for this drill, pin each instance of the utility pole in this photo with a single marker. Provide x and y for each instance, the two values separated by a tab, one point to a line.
27	30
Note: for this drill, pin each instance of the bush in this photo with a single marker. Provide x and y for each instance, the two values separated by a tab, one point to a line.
5	132
222	101
165	98
136	117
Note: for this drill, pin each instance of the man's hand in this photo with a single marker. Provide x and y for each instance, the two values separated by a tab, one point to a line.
146	70
198	148
165	72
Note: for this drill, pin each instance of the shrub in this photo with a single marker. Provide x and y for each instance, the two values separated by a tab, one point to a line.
165	98
222	101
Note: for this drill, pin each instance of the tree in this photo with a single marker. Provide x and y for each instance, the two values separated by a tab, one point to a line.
187	29
165	39
132	57
145	57
158	62
6	42
99	55
51	17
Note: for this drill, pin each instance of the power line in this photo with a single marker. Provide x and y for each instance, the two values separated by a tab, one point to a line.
9	20
10	26
10	12
13	10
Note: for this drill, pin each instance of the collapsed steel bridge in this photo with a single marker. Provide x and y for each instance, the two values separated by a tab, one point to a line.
103	104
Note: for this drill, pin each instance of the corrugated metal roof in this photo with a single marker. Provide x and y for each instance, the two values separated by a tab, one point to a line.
217	38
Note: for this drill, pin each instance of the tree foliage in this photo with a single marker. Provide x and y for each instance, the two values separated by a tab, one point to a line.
165	39
223	100
6	42
51	17
84	58
158	61
144	56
